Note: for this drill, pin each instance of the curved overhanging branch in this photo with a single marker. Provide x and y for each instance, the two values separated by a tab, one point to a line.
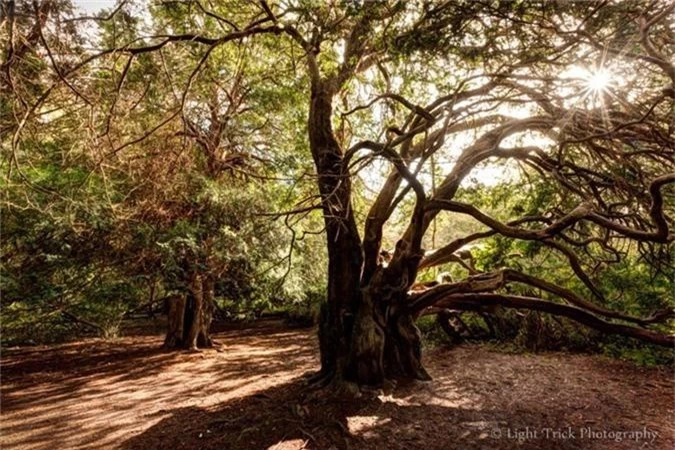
583	211
575	264
491	281
477	301
446	253
576	300
484	282
662	233
488	146
553	229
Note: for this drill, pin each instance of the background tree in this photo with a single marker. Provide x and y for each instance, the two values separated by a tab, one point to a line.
120	193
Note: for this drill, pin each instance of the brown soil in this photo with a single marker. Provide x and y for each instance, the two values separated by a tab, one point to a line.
130	394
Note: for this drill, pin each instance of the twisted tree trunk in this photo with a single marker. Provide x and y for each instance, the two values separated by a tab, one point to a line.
366	333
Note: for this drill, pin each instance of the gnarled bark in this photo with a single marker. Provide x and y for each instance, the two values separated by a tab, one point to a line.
344	245
386	343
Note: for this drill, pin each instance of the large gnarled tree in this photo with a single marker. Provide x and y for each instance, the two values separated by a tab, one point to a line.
610	154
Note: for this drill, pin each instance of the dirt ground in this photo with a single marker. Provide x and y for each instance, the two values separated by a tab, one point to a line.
130	394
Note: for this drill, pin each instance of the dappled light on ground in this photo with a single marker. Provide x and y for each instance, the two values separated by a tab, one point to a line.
130	394
97	394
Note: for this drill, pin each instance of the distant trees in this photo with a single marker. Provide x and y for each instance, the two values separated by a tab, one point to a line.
118	189
567	106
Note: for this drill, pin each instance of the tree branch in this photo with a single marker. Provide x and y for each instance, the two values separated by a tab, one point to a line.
474	301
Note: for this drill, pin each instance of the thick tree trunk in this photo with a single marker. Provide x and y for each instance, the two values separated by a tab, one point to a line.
386	343
383	343
366	334
189	316
366	358
344	245
403	349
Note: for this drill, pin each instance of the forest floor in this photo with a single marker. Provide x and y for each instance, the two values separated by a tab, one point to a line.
129	394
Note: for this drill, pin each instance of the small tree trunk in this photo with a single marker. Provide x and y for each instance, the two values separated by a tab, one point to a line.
196	326
151	303
204	338
190	316
176	321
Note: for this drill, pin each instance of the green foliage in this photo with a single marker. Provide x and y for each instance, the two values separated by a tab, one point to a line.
432	334
95	218
630	286
643	355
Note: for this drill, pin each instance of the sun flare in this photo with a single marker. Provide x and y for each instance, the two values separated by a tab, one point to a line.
599	80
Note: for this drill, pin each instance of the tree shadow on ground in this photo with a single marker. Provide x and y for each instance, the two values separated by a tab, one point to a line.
128	358
288	417
130	394
74	365
94	393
